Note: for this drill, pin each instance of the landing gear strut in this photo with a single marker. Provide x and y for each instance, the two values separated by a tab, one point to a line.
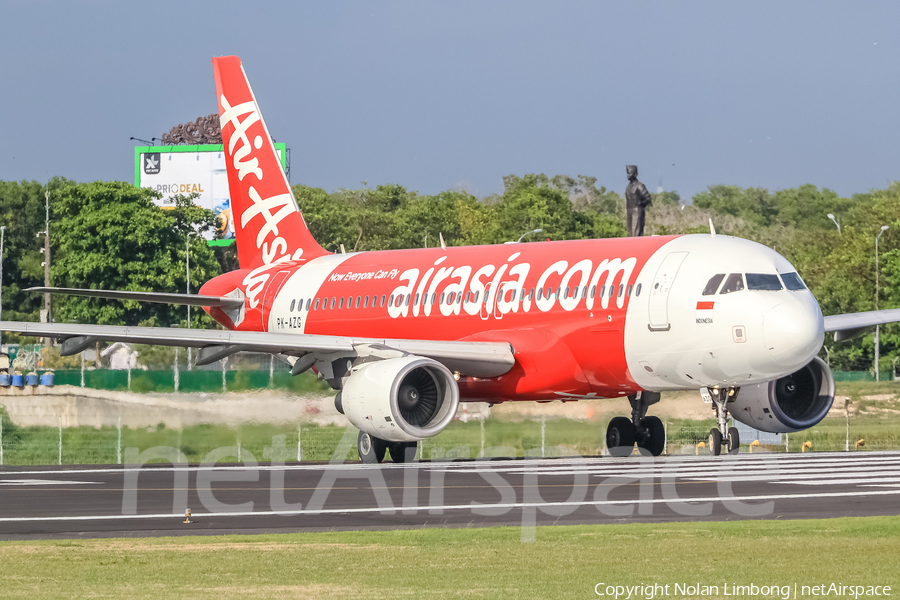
723	434
372	449
648	432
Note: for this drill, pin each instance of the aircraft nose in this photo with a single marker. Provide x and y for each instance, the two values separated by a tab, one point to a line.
793	333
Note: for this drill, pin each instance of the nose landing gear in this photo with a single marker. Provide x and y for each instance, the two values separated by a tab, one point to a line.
648	432
723	434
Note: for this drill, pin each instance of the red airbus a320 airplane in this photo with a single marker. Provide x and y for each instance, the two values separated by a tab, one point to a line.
405	335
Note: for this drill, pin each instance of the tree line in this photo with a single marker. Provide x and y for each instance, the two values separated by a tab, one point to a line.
110	235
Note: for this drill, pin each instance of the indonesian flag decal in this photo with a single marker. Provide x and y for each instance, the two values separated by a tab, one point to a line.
705	312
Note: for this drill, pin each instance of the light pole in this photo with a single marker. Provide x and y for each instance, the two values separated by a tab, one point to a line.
528	233
838	225
187	267
2	232
877	327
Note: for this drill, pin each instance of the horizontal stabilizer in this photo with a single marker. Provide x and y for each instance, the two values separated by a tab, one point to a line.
158	297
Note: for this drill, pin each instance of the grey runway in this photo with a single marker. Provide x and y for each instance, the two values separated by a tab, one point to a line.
117	501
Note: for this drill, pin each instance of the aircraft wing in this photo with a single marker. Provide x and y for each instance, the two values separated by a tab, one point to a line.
476	359
162	298
851	325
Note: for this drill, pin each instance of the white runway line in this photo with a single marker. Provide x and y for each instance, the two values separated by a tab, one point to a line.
45	482
628	466
447	507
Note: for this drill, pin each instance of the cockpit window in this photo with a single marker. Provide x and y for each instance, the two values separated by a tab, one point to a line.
713	284
764	282
734	283
792	281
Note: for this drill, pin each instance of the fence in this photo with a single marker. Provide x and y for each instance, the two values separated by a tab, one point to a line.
492	436
211	381
189	381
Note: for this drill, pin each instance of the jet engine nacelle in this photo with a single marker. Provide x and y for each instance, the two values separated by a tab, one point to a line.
792	403
400	399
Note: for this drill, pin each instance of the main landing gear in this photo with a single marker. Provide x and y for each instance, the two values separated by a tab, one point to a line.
372	449
648	432
723	434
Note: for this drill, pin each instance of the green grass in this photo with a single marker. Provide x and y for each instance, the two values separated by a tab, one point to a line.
563	562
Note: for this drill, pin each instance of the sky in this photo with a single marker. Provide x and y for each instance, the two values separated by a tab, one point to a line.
447	95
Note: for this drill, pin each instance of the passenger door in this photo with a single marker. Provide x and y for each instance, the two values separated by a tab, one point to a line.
659	291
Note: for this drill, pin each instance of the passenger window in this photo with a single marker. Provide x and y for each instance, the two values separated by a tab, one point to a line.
341	303
734	283
408	296
391	301
612	290
602	290
442	297
621	289
357	301
713	284
300	304
382	300
558	291
477	293
417	298
764	282
628	291
317	304
451	298
522	295
567	293
366	302
292	305
637	291
333	300
433	297
308	301
792	281
593	291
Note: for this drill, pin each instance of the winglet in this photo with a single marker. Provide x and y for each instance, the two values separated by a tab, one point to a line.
712	228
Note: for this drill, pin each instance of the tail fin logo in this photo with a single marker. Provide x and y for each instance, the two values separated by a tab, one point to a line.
269	228
232	114
250	166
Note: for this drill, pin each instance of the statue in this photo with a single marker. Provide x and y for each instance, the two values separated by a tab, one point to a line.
637	199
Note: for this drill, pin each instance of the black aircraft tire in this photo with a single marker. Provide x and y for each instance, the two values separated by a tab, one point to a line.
371	449
733	441
656	443
620	436
715	442
402	452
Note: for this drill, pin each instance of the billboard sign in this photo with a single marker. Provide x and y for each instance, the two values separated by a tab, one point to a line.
172	170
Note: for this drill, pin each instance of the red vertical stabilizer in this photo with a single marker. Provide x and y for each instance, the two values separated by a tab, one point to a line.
268	225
